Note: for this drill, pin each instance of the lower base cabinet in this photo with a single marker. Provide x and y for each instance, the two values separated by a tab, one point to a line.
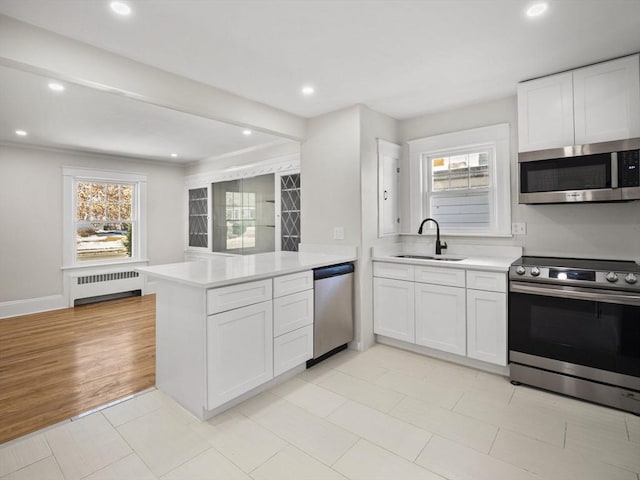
451	310
291	349
441	318
393	310
487	326
239	352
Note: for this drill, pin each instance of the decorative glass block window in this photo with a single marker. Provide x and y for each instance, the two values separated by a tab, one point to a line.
105	220
198	217
290	212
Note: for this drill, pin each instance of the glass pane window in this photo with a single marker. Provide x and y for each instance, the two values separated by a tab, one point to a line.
460	172
105	221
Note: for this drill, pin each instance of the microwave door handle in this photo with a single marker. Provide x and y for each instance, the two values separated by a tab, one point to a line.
576	293
614	170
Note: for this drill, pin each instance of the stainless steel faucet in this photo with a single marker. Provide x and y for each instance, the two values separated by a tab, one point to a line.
439	246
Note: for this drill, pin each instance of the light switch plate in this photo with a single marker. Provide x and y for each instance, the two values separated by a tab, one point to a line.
338	233
519	228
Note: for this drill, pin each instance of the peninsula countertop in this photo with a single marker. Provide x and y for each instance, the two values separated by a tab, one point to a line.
221	271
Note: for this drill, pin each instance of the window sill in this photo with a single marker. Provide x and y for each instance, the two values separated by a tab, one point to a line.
143	261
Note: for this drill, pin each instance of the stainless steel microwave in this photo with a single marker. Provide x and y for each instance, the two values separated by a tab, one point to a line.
598	172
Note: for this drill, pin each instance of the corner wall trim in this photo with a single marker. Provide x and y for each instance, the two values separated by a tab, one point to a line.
15	308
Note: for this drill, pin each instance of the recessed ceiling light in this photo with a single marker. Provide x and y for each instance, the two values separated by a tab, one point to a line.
56	87
246	132
174	155
21	133
537	9
308	90
120	8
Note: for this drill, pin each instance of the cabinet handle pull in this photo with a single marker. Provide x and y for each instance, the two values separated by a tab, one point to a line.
385	195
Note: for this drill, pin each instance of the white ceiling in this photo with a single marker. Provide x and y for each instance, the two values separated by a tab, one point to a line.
402	58
81	118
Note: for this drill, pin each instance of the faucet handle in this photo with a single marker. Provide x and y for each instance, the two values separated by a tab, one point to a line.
443	245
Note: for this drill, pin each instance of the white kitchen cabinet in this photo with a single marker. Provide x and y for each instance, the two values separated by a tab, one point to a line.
597	103
487	326
388	188
292	349
440	317
545	112
393	309
607	101
487	316
292	320
239	352
291	312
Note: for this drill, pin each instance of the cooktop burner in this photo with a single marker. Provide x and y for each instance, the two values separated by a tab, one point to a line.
609	274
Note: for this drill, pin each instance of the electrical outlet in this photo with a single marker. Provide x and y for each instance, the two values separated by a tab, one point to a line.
338	233
519	228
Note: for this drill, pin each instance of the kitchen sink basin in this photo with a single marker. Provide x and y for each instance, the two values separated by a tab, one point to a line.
432	257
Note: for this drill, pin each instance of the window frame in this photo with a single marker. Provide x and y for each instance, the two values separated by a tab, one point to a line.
71	177
495	137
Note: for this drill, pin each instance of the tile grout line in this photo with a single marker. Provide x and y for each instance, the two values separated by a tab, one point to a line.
564	442
495	437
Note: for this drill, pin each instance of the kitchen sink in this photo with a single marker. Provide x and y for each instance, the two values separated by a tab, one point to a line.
447	258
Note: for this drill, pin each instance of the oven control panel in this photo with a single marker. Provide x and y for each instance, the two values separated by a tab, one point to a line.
623	280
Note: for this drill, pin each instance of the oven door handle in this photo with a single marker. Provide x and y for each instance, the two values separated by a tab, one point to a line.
577	293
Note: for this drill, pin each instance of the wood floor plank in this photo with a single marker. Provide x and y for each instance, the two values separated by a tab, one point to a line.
56	365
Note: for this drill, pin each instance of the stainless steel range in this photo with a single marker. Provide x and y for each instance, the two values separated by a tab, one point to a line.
574	328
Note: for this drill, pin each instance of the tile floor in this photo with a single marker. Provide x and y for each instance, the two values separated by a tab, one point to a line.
381	414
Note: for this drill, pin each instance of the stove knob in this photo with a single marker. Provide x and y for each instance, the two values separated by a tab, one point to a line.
612	277
631	278
535	271
520	270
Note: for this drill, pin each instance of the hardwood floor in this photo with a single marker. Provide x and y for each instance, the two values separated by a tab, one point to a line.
59	364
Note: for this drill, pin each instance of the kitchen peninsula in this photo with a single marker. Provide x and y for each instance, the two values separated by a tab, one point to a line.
228	326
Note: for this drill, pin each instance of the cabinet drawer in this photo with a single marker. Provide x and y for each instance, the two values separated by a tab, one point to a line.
296	282
292	349
490	281
235	296
399	271
440	276
292	312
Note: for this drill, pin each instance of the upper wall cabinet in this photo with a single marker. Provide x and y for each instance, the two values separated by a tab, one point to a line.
593	104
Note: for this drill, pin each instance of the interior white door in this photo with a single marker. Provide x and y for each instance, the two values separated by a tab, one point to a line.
389	188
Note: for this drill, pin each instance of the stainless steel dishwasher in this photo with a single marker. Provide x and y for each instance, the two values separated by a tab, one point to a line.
333	310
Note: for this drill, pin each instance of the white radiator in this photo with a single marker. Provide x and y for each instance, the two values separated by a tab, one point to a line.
88	288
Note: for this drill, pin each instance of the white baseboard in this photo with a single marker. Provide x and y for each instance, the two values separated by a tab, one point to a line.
32	305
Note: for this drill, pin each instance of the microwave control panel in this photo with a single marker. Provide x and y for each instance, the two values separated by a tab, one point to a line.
629	168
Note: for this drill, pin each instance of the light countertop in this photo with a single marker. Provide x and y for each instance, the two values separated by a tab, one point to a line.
497	259
221	271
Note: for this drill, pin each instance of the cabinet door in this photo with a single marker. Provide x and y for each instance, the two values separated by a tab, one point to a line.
239	352
487	326
607	101
388	188
545	113
393	309
440	317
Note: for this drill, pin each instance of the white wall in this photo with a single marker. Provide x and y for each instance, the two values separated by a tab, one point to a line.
31	215
610	230
373	126
330	178
339	178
